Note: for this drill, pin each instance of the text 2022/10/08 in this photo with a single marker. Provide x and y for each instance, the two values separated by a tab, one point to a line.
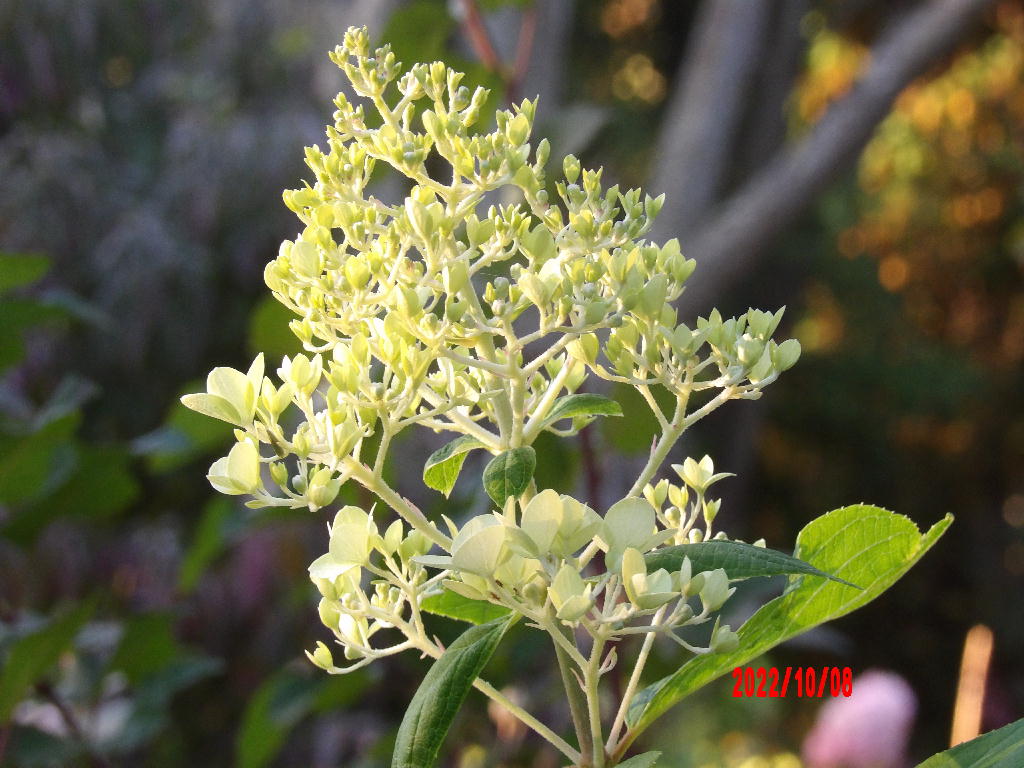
776	682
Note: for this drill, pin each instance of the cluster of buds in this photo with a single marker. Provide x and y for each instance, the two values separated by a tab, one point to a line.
481	323
534	563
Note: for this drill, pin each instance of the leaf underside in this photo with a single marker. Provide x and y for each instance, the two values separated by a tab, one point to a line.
442	467
862	544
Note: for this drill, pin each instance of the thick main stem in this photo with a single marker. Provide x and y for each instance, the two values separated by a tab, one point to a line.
577	704
592	678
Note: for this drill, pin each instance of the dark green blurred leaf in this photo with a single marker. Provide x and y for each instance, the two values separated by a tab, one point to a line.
152	698
147	646
71	394
31	657
557	461
18	270
29	465
29	747
633	433
269	332
273	710
418	31
101	486
455	606
997	749
209	541
184	436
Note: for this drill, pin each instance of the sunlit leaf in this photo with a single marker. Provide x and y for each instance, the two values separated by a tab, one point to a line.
865	545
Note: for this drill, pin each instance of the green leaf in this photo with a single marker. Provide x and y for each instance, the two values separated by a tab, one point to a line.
509	473
584	405
32	656
739	560
18	270
276	707
443	465
454	606
269	332
863	544
646	760
37	463
995	749
444	688
208	542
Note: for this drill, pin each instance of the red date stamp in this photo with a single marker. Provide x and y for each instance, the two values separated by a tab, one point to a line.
803	682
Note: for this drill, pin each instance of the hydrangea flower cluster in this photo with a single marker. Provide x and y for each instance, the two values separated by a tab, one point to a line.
479	306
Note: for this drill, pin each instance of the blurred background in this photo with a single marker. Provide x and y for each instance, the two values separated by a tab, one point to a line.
859	162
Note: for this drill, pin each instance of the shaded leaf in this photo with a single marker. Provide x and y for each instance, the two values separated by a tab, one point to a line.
18	270
34	464
863	544
509	473
738	559
455	606
440	695
273	711
443	466
209	541
996	749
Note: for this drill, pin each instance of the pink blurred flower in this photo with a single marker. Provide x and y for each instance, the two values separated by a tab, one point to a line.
870	729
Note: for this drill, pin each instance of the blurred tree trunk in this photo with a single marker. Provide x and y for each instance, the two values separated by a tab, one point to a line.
733	183
733	43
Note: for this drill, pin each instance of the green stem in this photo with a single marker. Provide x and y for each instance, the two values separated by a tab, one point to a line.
634	682
365	477
577	703
591	678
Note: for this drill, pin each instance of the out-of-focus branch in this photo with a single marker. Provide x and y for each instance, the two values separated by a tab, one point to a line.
479	37
95	759
524	51
705	112
486	50
736	235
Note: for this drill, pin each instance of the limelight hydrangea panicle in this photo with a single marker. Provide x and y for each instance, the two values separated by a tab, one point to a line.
477	320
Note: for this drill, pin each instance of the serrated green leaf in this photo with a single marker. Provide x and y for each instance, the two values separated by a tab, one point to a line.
18	270
455	606
509	473
582	405
32	656
646	760
863	544
996	749
444	688
738	559
443	466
